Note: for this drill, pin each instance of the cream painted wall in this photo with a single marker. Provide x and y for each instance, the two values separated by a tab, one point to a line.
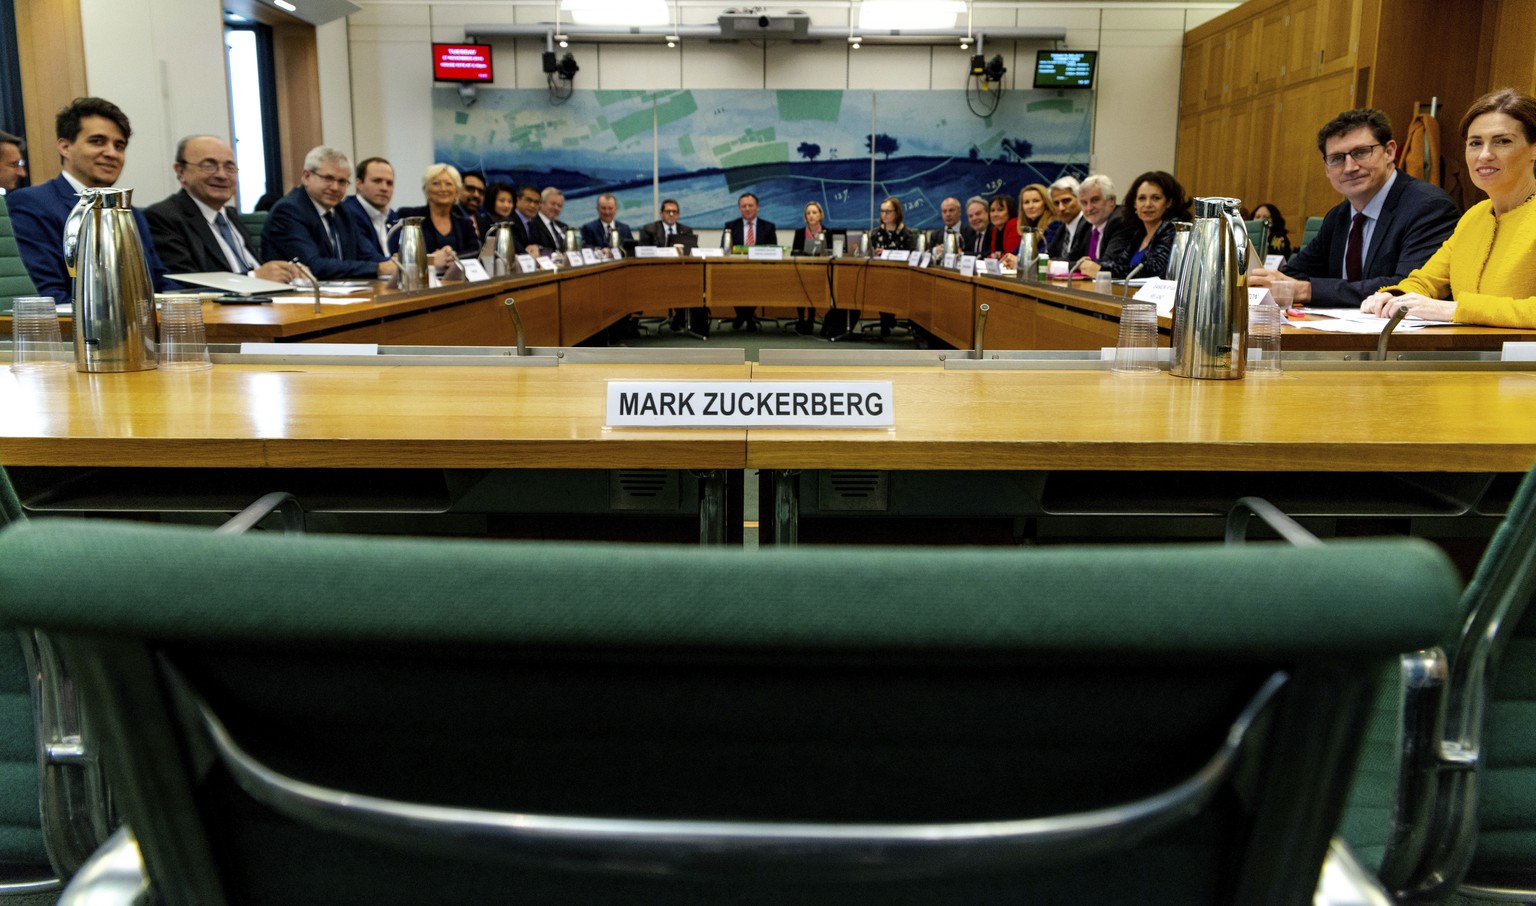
162	61
1136	111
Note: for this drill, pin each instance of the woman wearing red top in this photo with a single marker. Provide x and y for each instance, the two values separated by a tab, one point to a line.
1003	237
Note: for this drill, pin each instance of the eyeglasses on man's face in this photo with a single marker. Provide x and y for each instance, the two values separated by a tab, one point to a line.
328	179
1360	156
210	167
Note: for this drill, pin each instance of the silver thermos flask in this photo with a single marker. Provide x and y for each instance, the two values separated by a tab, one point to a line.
115	323
1210	308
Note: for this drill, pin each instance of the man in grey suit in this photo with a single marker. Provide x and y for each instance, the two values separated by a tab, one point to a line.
197	230
1388	223
953	217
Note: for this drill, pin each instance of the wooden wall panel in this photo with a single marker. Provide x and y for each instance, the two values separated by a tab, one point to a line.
298	96
1512	50
51	53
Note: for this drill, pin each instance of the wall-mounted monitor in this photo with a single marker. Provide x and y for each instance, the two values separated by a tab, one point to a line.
1065	68
462	63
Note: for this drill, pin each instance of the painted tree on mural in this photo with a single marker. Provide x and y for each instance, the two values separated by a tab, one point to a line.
1017	149
880	143
809	151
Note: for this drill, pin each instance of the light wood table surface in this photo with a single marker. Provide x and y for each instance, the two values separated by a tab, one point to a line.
1347	421
349	417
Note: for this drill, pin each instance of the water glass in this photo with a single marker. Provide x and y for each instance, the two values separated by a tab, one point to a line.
36	341
183	339
1136	348
1264	322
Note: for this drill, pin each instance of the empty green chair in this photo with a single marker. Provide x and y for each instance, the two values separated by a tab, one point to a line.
13	273
1445	800
255	222
1309	232
380	721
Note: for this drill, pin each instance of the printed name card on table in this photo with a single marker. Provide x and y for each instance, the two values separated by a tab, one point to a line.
990	267
765	253
1257	294
666	251
1273	262
645	251
588	256
967	265
547	263
1159	292
893	255
750	404
525	263
474	271
708	253
1518	352
298	349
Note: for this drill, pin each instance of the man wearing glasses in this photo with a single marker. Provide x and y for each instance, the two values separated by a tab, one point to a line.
92	140
1388	224
305	224
197	230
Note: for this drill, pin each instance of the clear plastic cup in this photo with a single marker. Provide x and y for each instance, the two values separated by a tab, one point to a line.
1284	292
1264	322
1136	348
1103	282
37	343
183	339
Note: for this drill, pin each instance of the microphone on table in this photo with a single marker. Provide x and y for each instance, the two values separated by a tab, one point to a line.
1134	271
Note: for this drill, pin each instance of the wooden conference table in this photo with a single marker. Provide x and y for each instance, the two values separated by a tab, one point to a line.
1032	444
571	306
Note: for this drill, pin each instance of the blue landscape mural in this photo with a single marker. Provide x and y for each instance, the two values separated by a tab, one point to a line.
845	149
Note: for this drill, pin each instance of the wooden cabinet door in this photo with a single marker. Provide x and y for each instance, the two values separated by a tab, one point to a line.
1242	61
1192	81
1338	35
1302	61
1273	51
1261	185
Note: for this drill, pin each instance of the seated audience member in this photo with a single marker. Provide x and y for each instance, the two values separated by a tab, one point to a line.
548	230
304	225
525	214
892	235
804	242
978	215
1003	237
748	229
370	206
1070	242
92	139
197	230
500	201
599	233
1486	272
1388	223
13	169
953	217
1034	208
449	231
1156	200
1279	237
1104	219
668	231
1064	203
472	198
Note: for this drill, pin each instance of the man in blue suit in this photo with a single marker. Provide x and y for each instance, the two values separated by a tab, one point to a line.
305	226
369	208
748	229
599	233
92	138
1388	224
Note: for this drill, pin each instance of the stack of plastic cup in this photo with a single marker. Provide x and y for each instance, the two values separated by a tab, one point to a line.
36	342
1136	349
1264	322
183	339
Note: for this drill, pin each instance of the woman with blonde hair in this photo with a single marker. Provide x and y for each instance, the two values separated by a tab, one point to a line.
1486	272
445	224
1034	208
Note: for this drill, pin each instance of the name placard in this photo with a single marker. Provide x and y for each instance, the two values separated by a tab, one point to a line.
525	263
666	251
547	263
474	271
968	265
749	404
1157	290
708	253
645	251
765	253
989	266
588	256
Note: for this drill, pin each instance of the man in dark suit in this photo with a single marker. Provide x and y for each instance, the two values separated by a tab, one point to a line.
92	140
525	213
1388	224
669	232
369	208
305	225
13	169
1097	198
548	230
749	229
599	233
953	216
473	200
197	230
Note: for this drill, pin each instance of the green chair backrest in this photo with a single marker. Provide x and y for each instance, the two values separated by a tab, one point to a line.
1258	238
13	274
806	686
21	828
1310	231
255	222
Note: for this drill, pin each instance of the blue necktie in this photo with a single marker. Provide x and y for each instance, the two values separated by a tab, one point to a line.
330	230
233	241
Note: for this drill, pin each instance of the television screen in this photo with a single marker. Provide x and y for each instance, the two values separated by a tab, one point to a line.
1065	68
461	63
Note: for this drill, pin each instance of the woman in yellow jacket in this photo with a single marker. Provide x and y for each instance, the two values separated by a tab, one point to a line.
1486	272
